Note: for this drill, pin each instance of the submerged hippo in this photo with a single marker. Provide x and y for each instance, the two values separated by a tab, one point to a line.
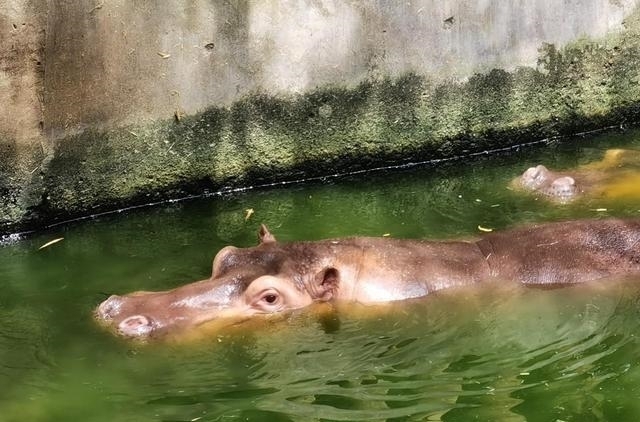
616	175
560	187
274	277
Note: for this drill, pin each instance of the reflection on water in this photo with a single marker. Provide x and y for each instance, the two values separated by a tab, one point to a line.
487	353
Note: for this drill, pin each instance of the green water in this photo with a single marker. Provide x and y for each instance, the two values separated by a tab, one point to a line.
569	354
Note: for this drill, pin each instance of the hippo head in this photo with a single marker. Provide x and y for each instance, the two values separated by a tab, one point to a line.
267	278
556	186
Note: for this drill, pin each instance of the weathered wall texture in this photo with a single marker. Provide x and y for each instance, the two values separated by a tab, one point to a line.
105	103
22	148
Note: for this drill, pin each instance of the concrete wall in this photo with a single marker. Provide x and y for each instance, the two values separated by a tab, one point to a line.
22	146
107	103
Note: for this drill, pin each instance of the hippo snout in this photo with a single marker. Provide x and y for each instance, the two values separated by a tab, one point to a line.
534	177
563	187
110	308
145	315
112	312
136	326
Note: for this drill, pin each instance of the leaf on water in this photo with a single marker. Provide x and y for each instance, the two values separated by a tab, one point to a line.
386	235
484	229
248	214
50	243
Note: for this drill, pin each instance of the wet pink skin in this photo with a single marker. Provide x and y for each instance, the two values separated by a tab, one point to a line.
557	186
277	277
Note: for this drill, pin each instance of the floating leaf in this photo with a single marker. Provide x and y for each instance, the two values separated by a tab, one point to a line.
484	229
50	243
386	235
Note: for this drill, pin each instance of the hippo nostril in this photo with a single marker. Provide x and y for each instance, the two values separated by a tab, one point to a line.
538	170
563	187
531	173
109	308
136	326
534	176
566	180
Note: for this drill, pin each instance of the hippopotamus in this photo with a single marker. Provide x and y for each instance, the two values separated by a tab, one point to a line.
616	175
274	276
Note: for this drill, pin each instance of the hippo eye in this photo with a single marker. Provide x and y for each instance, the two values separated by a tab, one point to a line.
269	301
270	298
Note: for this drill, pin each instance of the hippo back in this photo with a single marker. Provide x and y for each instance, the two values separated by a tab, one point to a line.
565	252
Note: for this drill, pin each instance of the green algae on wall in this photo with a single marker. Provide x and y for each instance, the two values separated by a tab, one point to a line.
21	182
587	84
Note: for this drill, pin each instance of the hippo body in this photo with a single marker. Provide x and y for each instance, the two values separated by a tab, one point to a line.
616	175
274	276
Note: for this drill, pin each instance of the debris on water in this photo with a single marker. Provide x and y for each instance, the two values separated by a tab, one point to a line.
601	210
386	235
51	243
164	55
248	214
484	229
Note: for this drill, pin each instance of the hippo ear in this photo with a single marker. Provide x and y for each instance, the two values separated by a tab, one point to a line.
265	235
326	284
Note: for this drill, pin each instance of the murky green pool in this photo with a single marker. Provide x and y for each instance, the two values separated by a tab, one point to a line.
568	354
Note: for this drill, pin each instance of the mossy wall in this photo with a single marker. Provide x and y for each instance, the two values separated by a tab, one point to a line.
131	104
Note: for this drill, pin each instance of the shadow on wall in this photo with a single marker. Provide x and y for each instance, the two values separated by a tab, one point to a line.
245	144
138	61
21	183
10	186
232	37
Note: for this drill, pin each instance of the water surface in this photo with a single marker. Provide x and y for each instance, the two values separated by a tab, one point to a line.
508	354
